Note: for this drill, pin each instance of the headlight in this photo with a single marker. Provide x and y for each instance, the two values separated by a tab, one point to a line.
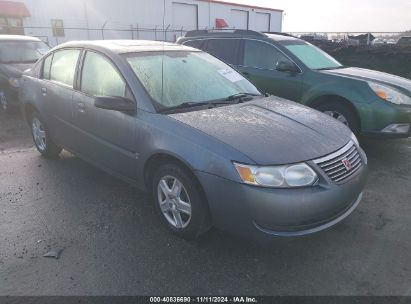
389	94
291	176
355	139
14	82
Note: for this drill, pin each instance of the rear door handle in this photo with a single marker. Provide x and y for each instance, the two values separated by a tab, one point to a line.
44	91
246	74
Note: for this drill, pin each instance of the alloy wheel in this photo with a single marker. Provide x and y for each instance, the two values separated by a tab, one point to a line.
3	102
338	116
174	202
39	134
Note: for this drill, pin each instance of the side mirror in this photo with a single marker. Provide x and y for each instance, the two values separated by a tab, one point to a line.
287	66
115	103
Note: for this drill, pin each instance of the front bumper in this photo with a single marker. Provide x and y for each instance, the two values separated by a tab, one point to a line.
314	227
250	210
387	135
378	115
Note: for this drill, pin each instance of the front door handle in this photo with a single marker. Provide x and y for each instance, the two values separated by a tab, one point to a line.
246	74
44	91
81	107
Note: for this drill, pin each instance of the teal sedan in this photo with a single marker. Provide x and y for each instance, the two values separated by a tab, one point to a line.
371	103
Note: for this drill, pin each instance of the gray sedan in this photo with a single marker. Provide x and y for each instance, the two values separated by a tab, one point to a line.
183	125
17	53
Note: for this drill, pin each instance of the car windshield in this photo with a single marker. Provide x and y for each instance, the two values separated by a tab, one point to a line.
174	78
311	56
22	51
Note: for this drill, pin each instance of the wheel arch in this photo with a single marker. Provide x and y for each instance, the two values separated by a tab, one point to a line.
28	110
160	158
330	97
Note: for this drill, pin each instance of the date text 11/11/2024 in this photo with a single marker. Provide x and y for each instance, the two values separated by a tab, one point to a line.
207	299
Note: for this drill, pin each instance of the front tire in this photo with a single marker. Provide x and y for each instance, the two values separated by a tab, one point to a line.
180	202
342	113
41	137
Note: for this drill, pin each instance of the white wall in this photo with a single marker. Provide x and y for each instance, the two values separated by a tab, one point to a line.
262	21
239	19
121	15
224	11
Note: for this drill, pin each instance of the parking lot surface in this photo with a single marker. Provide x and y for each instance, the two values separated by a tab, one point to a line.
109	240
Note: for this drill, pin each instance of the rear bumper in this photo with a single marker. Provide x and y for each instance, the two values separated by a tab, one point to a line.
250	210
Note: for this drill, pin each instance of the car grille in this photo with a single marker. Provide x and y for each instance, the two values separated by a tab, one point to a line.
341	165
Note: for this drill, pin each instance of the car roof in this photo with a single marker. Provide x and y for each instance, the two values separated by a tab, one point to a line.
279	37
18	38
128	46
203	34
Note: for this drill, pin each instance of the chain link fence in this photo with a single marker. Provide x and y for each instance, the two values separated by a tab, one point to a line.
352	38
57	35
54	36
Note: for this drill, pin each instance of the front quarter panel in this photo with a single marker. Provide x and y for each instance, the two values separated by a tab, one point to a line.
375	114
318	84
160	134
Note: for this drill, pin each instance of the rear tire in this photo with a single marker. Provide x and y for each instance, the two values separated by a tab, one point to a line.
179	201
4	102
342	113
41	137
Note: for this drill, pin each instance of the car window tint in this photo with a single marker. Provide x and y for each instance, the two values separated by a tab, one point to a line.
100	77
198	44
47	67
225	49
63	67
262	55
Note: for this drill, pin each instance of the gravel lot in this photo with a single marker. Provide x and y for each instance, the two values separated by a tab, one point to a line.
110	241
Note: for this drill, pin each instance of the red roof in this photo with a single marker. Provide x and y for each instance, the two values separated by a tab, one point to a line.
243	5
13	9
220	23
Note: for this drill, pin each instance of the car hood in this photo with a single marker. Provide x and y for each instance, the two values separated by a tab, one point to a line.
14	69
370	75
271	130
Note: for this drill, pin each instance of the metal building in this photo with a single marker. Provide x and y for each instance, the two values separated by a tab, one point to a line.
57	21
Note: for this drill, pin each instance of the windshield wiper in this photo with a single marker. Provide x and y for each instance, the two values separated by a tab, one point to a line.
233	99
185	105
241	95
236	98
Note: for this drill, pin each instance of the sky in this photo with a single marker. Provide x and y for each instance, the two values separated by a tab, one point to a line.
341	15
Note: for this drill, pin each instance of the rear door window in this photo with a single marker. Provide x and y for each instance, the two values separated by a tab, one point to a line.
227	50
198	44
63	67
